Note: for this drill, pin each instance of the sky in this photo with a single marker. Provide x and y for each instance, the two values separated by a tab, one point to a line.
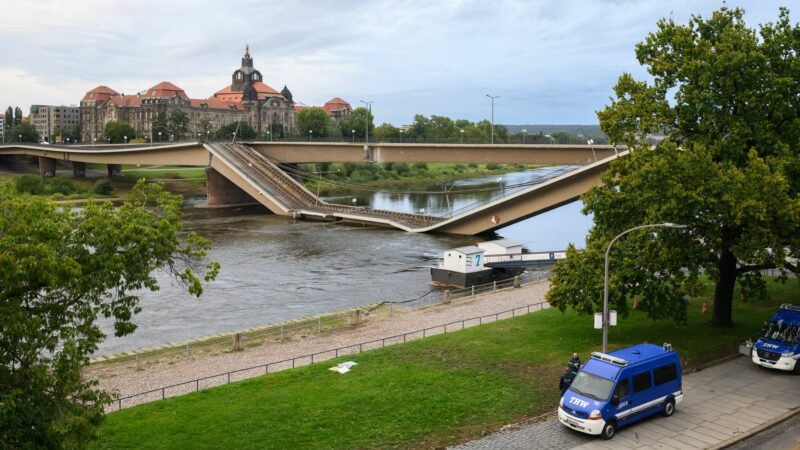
550	62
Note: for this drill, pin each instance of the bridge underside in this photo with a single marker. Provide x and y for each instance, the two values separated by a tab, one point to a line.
239	173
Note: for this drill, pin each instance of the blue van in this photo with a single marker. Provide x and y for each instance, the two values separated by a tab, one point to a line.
617	389
779	347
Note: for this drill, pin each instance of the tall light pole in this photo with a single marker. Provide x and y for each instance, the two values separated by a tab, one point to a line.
353	135
605	278
493	97
369	114
524	135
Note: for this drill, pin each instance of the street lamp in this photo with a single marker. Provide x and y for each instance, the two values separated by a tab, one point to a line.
401	134
310	133
369	114
524	135
493	99
159	137
207	133
462	135
353	133
605	279
125	138
20	138
270	135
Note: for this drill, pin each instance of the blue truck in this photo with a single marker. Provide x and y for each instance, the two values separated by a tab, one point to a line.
779	344
617	389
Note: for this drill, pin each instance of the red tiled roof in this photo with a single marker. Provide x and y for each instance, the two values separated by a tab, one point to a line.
261	88
336	104
127	100
100	93
216	103
166	89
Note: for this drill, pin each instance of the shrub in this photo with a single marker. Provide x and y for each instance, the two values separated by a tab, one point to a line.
102	187
473	165
459	167
493	166
29	184
61	186
401	168
421	166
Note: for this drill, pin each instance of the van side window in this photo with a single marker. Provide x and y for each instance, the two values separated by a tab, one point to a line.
641	381
665	374
623	389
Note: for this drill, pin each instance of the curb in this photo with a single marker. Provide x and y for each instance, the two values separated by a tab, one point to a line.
757	430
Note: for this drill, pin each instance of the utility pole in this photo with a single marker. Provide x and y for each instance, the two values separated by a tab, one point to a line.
369	114
493	97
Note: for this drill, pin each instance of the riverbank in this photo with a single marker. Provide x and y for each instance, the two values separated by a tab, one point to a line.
126	380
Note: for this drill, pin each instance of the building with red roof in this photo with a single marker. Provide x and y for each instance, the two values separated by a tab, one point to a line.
246	99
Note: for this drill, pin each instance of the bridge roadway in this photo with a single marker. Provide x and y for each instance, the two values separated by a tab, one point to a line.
246	171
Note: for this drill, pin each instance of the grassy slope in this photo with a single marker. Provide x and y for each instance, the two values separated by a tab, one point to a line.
425	393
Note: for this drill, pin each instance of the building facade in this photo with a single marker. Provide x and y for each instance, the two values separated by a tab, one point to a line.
56	123
247	99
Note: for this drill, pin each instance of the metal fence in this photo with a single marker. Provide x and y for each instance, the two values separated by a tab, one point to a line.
240	340
311	358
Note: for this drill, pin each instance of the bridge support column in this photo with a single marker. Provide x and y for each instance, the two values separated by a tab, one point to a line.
47	167
114	170
221	192
78	169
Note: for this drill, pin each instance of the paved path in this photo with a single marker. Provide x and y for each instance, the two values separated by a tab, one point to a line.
720	403
785	436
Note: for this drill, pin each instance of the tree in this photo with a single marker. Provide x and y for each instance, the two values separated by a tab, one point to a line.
178	124
315	120
386	132
8	121
160	124
60	269
117	131
726	96
243	130
17	115
359	121
26	130
206	127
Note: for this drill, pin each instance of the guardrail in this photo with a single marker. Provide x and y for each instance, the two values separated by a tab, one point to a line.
198	384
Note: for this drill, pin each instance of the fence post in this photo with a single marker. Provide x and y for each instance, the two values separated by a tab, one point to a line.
319	324
358	316
494	285
237	342
473	290
516	281
446	297
138	367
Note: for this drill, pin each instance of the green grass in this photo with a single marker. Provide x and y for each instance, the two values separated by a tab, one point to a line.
425	393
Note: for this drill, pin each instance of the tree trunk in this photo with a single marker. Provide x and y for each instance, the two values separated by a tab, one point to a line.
723	292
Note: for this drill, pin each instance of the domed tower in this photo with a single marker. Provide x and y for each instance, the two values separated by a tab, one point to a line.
287	94
246	75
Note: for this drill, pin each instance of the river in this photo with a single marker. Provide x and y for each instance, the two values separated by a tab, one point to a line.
275	268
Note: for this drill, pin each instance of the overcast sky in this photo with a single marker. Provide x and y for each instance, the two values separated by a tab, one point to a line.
549	61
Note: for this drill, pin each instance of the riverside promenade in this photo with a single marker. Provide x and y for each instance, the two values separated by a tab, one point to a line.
722	405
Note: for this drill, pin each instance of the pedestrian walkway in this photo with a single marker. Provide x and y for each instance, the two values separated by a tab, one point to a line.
720	403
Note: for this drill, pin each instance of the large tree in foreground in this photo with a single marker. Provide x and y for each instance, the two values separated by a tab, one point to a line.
61	269
728	99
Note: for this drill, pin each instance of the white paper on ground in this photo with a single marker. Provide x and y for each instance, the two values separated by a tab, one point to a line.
343	367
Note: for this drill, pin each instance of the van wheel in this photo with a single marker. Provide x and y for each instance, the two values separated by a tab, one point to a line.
609	430
669	408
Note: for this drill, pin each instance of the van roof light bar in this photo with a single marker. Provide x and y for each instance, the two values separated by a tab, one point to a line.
790	307
609	358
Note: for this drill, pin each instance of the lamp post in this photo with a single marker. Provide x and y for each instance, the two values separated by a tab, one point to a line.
20	138
125	138
462	135
159	137
353	134
310	133
524	135
605	278
366	126
401	134
207	133
493	97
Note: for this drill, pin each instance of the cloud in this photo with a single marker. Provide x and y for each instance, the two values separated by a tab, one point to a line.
550	61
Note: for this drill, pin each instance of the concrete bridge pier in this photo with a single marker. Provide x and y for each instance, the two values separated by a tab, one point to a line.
47	166
78	169
222	192
114	170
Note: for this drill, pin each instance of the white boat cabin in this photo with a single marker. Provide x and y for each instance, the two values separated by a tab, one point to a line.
501	247
464	259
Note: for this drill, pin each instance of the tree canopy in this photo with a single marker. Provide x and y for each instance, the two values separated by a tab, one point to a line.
243	130
315	120
118	131
728	99
60	269
24	129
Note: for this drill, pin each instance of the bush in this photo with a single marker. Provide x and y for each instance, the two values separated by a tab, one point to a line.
401	168
421	166
61	186
493	166
102	187
460	167
473	165
29	184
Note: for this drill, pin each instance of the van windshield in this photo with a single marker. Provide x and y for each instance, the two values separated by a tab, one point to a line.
783	332
591	386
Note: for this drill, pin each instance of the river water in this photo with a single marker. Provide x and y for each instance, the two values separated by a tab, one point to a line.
275	268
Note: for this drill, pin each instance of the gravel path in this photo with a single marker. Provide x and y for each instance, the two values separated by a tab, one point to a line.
127	382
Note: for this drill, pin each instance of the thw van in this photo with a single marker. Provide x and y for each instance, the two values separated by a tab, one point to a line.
617	389
779	347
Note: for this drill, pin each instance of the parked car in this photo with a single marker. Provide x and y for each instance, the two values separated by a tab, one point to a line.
779	345
617	389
